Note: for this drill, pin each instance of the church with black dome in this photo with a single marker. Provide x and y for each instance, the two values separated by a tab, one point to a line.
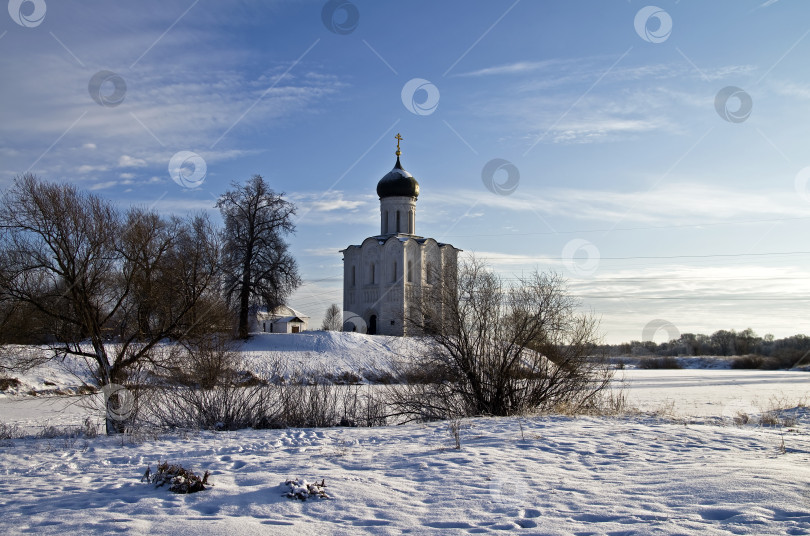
386	277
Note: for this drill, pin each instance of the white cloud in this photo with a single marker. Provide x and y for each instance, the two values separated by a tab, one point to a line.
330	207
520	67
104	185
324	252
594	130
129	161
90	169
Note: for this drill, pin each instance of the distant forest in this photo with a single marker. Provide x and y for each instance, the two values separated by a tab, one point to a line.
761	352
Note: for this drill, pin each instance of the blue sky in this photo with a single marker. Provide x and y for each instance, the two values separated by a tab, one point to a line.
634	172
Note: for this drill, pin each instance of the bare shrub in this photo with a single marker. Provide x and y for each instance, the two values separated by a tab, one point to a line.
383	377
749	361
608	402
180	479
243	400
493	349
666	362
9	383
9	431
780	412
346	378
741	418
324	405
455	432
223	407
770	418
205	361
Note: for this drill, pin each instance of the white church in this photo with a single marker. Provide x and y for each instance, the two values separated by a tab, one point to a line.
385	276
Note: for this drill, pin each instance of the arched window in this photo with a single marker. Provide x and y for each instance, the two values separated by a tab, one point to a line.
373	275
354	274
429	273
397	221
410	222
394	274
410	272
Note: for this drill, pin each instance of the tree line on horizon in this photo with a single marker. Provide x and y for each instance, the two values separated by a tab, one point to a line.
789	351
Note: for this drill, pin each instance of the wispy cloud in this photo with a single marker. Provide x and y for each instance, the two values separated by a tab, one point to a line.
673	203
520	67
333	206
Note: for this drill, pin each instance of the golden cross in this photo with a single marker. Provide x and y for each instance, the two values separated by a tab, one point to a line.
399	139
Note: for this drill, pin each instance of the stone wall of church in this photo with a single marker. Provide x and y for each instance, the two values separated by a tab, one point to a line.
385	280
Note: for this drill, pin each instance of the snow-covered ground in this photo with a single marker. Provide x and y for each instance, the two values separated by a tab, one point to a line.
682	468
328	354
543	475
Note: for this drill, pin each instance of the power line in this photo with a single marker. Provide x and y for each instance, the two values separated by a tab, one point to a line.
697	298
667	257
648	228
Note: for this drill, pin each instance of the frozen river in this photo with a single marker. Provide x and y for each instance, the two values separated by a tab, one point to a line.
712	392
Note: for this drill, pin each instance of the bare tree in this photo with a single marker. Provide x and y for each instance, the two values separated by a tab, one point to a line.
495	349
108	290
333	319
723	341
259	269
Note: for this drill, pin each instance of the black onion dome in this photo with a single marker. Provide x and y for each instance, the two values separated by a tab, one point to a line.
398	182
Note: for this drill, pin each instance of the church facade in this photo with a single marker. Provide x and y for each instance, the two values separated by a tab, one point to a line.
386	277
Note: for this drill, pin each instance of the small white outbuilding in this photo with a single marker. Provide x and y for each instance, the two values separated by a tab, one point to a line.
282	319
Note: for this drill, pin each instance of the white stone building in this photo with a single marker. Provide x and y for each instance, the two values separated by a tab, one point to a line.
385	276
282	319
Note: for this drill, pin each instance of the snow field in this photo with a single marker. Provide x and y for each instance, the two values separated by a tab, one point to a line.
540	475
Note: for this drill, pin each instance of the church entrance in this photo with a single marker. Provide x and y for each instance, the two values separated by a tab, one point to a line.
372	325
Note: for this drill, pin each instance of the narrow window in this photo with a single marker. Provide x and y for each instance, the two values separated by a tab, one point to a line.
410	222
372	273
394	274
397	221
410	272
354	279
